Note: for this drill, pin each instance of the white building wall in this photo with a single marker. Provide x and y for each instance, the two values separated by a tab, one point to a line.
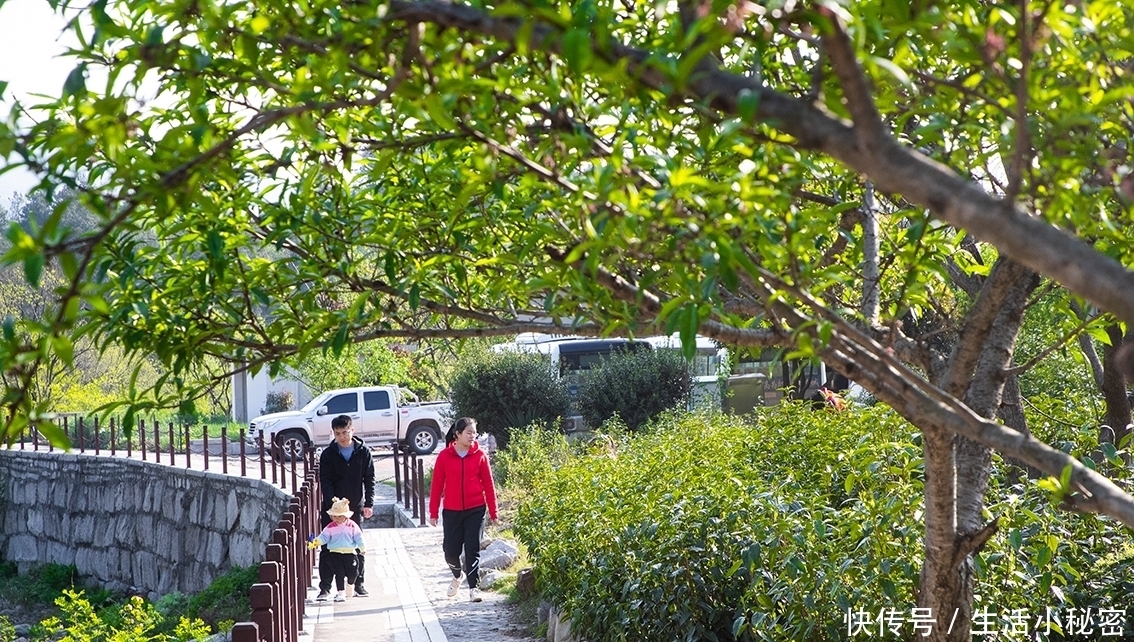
255	393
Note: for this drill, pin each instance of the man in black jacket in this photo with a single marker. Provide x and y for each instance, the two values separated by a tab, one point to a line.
346	469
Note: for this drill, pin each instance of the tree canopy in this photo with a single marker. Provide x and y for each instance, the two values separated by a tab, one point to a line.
284	177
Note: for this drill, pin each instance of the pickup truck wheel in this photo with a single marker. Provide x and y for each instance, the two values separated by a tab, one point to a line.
422	440
291	446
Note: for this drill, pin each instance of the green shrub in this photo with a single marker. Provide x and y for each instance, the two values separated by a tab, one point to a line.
7	630
504	392
636	386
133	621
278	401
225	599
42	585
712	527
531	455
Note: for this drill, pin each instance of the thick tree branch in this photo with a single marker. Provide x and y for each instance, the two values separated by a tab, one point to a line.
972	542
894	168
978	323
859	99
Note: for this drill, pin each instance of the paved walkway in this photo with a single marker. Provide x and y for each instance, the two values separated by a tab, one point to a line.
397	609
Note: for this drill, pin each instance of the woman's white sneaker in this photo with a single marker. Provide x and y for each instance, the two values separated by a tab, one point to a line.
455	585
474	595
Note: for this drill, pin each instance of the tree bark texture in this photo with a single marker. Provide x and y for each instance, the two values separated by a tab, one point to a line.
1114	391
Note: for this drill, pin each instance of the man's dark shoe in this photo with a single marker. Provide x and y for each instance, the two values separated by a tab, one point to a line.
360	591
323	596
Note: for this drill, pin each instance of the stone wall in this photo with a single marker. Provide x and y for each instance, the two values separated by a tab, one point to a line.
126	523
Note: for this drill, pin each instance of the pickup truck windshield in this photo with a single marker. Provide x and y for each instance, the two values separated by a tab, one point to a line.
316	402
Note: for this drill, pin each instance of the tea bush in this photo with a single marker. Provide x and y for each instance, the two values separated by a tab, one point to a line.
505	392
636	386
715	527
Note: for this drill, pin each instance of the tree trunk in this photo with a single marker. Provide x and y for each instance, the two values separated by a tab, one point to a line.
941	585
948	570
1114	391
870	270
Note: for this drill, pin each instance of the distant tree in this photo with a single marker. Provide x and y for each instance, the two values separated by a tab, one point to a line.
368	364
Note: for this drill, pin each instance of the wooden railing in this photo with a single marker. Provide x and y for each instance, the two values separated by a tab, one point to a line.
279	598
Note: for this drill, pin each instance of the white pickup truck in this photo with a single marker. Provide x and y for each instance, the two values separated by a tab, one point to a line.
381	415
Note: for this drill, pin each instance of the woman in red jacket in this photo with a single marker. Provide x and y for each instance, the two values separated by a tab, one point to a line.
462	477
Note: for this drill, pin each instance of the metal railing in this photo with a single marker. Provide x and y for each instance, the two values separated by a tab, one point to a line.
171	444
409	484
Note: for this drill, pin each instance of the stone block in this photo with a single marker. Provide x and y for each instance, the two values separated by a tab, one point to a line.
145	567
58	553
163	532
23	548
216	551
83	560
525	583
232	511
148	498
144	530
35	521
84	529
251	514
243	550
174	506
14	520
61	496
194	514
191	537
124	530
167	580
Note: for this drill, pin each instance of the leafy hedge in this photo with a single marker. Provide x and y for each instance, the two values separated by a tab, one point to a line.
711	527
637	386
507	391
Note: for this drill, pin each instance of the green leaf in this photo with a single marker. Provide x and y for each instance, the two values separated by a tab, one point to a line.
435	107
64	349
894	70
76	82
340	340
747	102
577	49
260	24
692	320
33	269
738	626
1099	334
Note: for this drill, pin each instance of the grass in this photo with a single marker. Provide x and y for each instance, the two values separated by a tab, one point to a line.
44	585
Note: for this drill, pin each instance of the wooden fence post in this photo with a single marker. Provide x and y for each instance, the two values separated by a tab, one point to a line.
271	575
247	631
421	492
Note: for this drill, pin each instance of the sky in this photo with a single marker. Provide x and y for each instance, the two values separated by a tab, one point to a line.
31	44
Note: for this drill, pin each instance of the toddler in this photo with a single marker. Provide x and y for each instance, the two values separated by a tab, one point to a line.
343	538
